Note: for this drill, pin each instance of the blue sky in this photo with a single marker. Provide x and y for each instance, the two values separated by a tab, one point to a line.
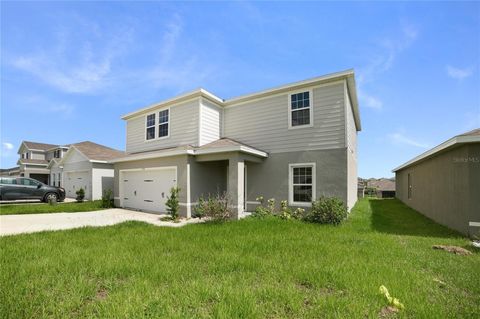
70	70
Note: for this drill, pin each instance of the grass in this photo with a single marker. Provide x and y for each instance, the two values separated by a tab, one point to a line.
247	269
47	208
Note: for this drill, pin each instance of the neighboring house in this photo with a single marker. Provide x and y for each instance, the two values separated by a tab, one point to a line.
74	166
85	165
14	171
295	142
444	183
35	158
384	187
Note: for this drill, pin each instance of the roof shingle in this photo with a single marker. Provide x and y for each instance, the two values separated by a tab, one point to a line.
97	152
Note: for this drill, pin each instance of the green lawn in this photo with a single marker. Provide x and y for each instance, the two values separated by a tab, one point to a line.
47	208
251	269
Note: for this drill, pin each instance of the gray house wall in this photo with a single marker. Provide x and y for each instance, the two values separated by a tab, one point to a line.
270	178
445	187
263	123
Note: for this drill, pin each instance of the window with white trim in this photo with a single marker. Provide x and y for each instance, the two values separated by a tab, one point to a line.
300	109
163	123
301	183
150	127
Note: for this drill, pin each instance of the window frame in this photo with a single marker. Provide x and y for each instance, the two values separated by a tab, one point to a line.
291	166
157	124
167	122
290	110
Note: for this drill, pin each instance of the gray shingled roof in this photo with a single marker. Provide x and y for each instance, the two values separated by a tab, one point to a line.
39	146
474	132
224	142
32	161
97	152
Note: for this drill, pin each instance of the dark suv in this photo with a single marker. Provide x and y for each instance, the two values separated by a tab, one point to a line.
12	188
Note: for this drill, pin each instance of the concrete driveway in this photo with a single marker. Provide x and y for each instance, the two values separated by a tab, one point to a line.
30	223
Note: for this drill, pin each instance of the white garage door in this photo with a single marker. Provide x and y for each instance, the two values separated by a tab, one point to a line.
147	189
74	181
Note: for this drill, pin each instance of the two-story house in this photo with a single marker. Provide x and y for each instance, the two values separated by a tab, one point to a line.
295	142
34	160
73	166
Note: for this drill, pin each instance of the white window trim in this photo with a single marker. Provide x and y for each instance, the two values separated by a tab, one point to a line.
157	124
290	127
290	183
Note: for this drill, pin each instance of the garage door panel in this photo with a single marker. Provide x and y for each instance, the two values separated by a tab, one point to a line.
74	181
148	190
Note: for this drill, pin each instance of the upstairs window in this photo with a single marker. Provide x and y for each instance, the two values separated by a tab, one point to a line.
150	125
57	154
300	109
163	123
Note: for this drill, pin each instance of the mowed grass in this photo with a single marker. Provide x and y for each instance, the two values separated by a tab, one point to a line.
43	208
246	269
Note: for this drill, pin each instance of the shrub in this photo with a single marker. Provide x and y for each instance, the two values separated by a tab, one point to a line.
173	203
327	210
107	199
262	211
285	211
214	207
80	195
271	205
298	213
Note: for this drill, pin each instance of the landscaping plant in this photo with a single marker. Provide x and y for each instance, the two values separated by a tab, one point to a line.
173	203
107	199
216	208
327	210
80	195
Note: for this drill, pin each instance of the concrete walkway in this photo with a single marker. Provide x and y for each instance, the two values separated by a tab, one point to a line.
30	223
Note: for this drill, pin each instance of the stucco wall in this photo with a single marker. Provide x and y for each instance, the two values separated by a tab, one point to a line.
270	178
445	188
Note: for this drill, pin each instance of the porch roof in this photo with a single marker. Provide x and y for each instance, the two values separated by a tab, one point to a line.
222	145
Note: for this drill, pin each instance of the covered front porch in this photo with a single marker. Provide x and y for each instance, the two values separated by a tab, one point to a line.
222	173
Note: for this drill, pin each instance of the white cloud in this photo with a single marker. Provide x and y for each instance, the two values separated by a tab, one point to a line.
399	138
73	67
7	146
369	101
386	52
177	67
458	73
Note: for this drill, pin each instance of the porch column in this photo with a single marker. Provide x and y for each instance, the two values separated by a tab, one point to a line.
236	185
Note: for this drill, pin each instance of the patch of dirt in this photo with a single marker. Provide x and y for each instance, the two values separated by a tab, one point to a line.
101	294
388	312
304	285
453	249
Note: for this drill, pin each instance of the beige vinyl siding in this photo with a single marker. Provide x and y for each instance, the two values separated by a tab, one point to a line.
183	122
210	122
263	123
37	155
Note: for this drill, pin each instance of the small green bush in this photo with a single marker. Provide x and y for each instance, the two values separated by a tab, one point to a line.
285	211
173	203
261	211
107	198
327	210
216	208
80	195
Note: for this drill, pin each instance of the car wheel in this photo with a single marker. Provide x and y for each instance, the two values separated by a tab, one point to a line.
51	197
